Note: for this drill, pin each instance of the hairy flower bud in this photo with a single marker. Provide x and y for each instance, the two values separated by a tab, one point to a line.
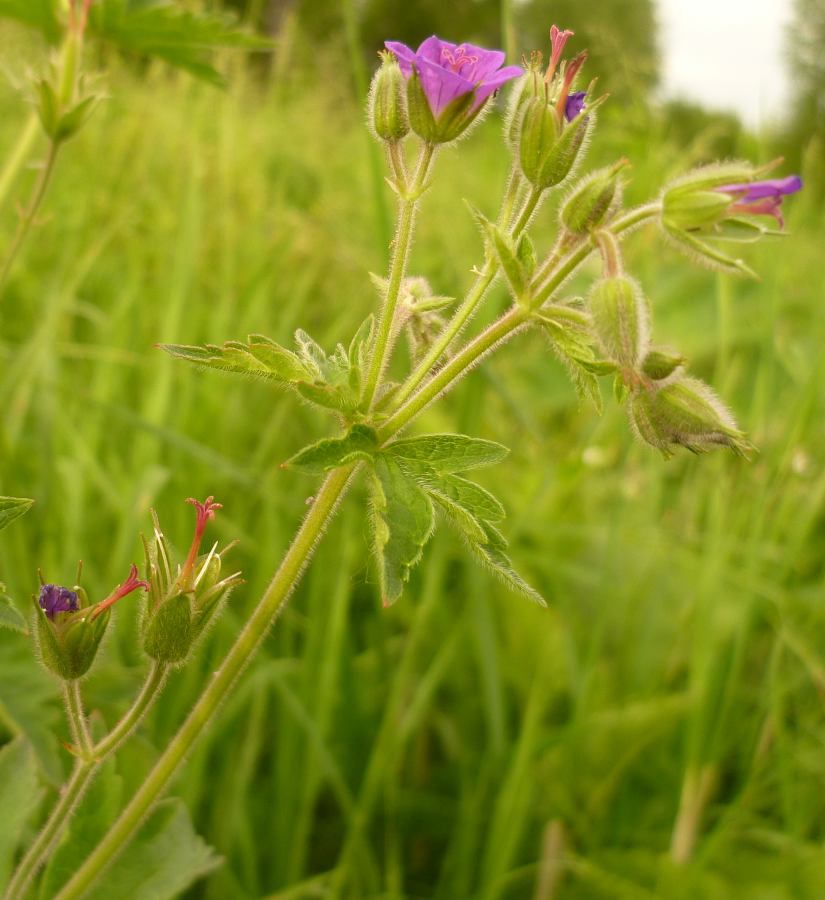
593	200
68	631
388	101
180	606
549	147
620	318
661	363
684	413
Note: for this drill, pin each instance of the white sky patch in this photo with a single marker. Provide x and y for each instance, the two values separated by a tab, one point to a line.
727	54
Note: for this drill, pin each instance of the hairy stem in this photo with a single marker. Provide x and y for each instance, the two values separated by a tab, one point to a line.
407	206
148	694
273	601
289	573
28	216
77	718
15	159
476	293
86	767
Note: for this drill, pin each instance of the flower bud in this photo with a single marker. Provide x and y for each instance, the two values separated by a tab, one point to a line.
685	413
661	363
530	85
388	101
593	200
68	631
549	148
620	318
180	607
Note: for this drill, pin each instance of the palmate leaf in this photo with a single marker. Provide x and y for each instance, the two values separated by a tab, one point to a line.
402	524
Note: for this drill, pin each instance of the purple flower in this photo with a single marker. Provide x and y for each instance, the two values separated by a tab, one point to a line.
449	71
55	599
574	104
762	198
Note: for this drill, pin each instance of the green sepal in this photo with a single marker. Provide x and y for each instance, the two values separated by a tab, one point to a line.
68	645
403	522
702	252
619	314
360	443
167	629
454	119
75	118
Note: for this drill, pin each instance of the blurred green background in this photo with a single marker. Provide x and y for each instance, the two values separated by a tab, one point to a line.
659	731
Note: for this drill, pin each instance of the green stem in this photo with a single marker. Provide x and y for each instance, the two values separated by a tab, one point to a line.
86	768
149	692
454	369
77	718
38	193
280	588
474	297
398	268
15	159
270	605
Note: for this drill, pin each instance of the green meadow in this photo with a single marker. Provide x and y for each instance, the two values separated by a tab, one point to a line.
657	732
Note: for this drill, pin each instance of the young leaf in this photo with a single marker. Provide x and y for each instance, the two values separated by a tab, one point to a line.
403	522
360	443
9	615
12	508
261	357
511	262
446	452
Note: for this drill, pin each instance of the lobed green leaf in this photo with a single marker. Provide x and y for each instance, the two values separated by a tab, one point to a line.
403	522
360	443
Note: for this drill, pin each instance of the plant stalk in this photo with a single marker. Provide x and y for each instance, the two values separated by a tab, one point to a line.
38	193
398	267
86	767
289	573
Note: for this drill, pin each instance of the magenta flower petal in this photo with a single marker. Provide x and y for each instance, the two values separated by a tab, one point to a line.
404	55
440	85
574	104
449	71
483	91
759	190
55	599
431	49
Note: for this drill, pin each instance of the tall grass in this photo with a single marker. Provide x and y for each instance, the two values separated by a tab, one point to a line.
658	732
